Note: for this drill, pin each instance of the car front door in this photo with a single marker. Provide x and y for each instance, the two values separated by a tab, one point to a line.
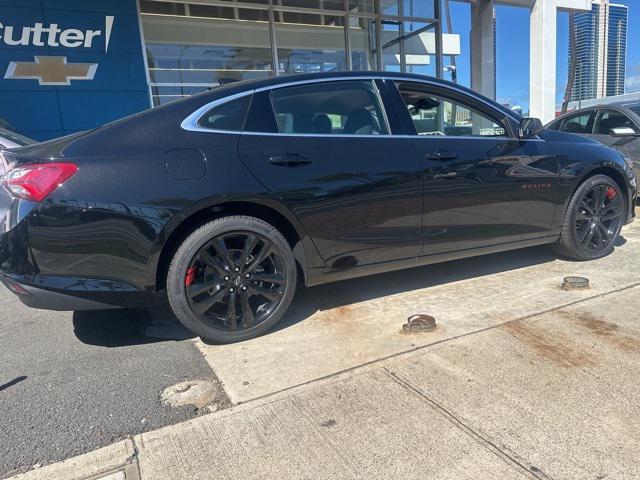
483	186
580	123
608	119
324	149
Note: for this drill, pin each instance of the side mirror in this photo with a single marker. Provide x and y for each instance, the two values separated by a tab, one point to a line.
530	127
623	132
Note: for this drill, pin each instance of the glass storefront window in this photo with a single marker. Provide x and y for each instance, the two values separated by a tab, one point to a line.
361	6
390	36
186	55
163	8
419	47
409	46
362	38
419	8
312	4
408	8
316	46
194	46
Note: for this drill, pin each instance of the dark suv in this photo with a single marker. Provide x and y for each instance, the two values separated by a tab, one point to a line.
616	125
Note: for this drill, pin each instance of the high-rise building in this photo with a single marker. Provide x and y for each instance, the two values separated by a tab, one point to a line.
601	51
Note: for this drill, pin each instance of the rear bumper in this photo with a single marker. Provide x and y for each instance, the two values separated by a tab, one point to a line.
68	258
48	300
73	294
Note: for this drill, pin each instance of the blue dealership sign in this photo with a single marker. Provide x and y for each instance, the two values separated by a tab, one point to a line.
69	65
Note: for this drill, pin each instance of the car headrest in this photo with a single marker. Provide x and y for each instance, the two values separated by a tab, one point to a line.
321	123
360	121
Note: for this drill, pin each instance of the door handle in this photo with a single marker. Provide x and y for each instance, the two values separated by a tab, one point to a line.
441	155
288	159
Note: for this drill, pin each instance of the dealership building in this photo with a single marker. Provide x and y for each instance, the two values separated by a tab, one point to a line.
71	65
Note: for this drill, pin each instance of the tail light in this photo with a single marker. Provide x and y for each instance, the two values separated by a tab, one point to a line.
36	182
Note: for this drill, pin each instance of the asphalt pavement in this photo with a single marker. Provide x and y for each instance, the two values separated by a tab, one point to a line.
73	382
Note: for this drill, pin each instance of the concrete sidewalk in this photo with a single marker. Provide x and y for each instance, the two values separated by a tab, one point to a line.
551	395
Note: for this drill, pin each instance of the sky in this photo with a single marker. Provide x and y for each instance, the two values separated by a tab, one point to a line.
512	50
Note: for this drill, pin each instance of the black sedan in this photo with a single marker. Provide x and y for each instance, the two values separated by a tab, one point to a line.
222	201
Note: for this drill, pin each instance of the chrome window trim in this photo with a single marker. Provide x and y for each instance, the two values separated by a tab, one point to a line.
191	122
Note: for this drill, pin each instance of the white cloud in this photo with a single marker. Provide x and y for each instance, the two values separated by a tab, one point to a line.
632	84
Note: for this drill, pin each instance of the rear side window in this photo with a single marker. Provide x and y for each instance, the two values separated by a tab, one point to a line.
227	116
350	107
577	123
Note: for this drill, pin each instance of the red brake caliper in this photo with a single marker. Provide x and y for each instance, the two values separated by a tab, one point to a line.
191	275
611	193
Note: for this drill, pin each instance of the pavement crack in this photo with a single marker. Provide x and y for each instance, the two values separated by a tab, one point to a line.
500	451
134	472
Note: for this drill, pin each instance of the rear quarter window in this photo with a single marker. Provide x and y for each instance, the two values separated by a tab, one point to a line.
228	116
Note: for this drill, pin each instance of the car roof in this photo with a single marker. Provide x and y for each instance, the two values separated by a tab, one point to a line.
268	82
625	105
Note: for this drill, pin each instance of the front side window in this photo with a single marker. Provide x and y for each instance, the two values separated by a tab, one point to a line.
607	120
349	107
576	123
435	115
228	116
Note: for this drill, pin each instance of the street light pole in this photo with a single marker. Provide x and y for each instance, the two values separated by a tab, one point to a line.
579	84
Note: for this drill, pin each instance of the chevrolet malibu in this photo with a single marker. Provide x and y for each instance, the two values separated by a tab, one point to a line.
224	200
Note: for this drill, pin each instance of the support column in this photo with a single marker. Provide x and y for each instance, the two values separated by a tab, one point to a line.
483	61
542	60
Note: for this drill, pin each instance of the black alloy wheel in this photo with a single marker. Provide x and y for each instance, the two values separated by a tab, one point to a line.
232	279
235	281
593	219
598	218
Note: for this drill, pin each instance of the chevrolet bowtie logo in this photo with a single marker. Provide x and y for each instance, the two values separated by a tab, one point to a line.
51	71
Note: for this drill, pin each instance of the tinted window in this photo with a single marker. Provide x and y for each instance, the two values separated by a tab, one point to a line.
553	126
228	116
330	108
435	115
609	119
576	123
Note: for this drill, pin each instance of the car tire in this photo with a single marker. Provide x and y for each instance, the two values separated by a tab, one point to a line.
583	217
233	277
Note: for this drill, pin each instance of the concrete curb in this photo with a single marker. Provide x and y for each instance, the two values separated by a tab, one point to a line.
113	462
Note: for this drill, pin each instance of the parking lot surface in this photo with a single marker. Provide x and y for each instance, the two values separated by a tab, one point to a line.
70	383
520	379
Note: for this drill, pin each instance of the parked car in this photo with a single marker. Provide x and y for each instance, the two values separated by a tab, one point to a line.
223	200
9	139
615	124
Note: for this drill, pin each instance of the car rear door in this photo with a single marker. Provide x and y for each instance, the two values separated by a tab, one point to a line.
483	186
324	150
